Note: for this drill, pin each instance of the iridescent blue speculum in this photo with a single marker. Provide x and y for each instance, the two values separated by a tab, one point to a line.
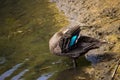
73	40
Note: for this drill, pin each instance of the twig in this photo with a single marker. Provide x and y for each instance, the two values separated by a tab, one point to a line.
45	68
115	70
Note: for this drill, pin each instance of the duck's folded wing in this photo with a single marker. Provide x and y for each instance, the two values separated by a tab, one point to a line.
67	38
64	43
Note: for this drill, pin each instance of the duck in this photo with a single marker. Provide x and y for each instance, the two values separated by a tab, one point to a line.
69	42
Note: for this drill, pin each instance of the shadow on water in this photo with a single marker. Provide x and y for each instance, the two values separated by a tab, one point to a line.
72	74
75	73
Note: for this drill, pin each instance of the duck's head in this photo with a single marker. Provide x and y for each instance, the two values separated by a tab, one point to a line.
54	41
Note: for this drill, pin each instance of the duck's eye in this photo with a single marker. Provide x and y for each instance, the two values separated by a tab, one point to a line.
73	40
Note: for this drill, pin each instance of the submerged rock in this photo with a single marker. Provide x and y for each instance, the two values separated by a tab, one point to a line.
2	60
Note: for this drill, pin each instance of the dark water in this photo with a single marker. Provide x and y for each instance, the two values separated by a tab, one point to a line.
25	29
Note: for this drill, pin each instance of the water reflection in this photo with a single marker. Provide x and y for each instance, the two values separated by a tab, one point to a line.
10	71
17	77
46	76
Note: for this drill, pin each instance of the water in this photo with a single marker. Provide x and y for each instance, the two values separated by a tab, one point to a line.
18	76
26	27
45	76
2	60
10	71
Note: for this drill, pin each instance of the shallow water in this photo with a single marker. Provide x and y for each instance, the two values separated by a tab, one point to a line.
45	76
18	76
26	27
10	71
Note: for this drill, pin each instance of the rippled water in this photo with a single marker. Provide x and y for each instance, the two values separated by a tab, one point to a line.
10	71
45	76
18	76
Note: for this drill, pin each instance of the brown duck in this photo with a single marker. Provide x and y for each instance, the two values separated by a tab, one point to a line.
69	42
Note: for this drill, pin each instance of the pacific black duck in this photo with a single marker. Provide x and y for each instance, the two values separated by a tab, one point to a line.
69	42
